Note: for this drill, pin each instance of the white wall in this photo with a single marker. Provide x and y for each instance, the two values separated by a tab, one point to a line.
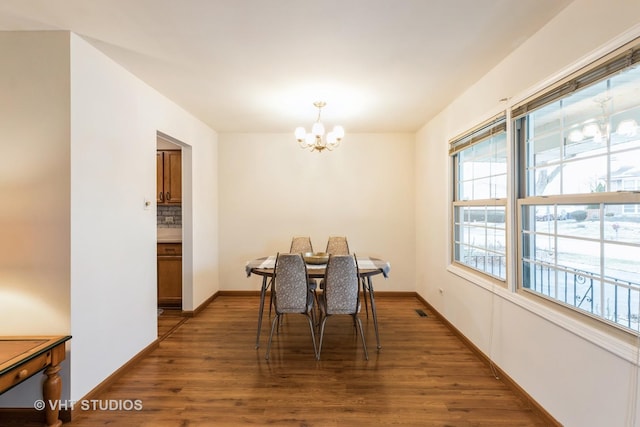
114	119
78	253
34	183
271	190
580	376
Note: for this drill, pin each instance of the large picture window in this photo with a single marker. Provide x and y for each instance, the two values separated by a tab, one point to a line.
578	200
479	200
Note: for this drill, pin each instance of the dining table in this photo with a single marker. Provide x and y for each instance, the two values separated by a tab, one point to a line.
368	267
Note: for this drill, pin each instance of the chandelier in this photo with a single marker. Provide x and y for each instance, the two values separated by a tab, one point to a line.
314	140
599	130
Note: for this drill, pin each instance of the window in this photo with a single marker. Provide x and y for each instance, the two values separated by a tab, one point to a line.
578	200
479	199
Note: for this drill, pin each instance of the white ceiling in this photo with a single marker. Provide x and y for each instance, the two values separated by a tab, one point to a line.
258	65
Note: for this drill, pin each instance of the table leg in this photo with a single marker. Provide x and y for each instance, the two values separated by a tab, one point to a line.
263	292
373	309
51	390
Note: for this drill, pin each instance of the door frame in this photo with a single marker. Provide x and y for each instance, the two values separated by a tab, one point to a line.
187	219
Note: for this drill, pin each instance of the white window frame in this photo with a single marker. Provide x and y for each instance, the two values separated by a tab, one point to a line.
619	59
481	133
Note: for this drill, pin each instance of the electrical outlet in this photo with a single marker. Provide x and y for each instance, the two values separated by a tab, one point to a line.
168	220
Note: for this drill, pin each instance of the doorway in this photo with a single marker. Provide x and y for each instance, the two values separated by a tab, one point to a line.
173	208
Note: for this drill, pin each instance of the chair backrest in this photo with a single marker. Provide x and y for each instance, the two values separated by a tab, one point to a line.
337	245
300	245
341	287
292	294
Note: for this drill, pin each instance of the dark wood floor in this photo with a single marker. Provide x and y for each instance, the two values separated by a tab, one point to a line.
168	321
207	372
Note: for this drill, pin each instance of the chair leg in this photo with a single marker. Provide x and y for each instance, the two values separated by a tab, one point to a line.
273	326
364	345
322	323
364	296
271	295
313	336
314	314
314	317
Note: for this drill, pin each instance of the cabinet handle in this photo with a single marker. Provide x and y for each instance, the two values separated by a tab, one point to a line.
161	196
168	196
23	374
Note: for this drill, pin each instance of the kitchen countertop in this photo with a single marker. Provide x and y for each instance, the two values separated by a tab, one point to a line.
169	235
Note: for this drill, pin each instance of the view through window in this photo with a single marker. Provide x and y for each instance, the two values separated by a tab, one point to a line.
480	182
579	206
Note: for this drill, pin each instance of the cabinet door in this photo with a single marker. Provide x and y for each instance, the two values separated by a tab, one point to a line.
169	281
172	177
159	177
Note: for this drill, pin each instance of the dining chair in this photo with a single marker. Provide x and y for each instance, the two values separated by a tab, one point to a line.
337	245
341	295
300	245
291	293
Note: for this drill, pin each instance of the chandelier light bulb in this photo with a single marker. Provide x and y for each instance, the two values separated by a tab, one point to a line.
338	131
592	130
627	127
575	136
300	133
331	138
317	129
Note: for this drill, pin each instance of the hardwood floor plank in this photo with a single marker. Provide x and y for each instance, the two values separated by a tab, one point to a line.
207	373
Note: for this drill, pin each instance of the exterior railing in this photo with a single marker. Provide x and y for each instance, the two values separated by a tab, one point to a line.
492	264
611	298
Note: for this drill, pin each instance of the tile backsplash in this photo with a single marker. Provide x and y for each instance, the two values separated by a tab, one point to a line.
169	216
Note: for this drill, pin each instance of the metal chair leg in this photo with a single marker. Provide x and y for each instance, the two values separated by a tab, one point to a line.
364	345
322	323
364	295
313	336
273	326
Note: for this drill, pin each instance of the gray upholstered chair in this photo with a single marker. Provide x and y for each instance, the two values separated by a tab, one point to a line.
337	245
300	245
292	293
341	294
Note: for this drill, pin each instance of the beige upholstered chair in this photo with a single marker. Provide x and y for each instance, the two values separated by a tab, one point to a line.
337	245
341	294
300	245
292	293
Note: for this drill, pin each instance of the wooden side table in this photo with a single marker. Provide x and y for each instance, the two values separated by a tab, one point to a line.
23	357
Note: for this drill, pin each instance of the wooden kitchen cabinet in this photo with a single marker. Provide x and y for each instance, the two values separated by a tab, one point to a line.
169	177
170	275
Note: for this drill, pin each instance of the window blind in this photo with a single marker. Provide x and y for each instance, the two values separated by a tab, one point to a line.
620	59
478	134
